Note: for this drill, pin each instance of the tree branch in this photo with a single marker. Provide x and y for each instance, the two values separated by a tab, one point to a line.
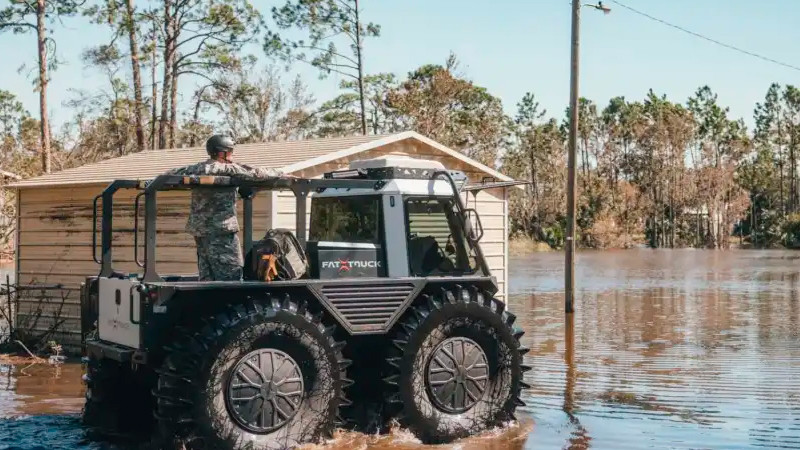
325	50
17	24
210	34
344	66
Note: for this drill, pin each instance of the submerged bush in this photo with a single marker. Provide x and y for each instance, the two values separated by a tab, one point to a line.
791	231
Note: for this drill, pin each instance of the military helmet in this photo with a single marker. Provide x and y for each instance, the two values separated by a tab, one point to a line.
219	143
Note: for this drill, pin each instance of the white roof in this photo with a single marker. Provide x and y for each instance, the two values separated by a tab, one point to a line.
288	156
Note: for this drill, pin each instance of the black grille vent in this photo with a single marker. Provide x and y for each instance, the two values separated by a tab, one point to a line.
367	307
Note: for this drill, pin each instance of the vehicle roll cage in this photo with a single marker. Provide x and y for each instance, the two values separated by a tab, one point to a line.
301	187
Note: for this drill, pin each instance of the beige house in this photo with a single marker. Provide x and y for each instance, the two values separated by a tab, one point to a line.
54	242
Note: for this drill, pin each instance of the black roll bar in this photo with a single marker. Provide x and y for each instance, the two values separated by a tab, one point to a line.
247	195
150	210
462	213
108	223
136	230
94	228
301	187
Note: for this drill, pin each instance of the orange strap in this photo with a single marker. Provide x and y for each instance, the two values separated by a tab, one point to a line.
272	270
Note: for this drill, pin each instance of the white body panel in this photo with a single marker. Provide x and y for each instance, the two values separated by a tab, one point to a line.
117	296
395	229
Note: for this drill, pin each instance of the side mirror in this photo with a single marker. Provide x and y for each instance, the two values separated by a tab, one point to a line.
475	228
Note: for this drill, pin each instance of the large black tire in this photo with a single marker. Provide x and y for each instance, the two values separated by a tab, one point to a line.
431	396
118	400
206	396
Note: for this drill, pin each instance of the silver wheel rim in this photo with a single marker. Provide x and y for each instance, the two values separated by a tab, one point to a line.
457	375
265	390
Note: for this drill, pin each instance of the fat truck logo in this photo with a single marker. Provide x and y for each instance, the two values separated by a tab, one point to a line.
345	265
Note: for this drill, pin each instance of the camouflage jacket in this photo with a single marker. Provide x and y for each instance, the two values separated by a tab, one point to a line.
213	211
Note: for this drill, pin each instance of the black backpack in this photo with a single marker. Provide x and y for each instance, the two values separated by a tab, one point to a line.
281	248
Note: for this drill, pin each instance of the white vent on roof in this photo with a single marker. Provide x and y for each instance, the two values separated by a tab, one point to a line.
404	162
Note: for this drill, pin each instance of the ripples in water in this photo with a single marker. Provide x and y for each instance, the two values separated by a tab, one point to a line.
681	349
678	349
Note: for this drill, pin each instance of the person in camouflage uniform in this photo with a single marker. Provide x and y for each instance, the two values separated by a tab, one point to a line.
212	219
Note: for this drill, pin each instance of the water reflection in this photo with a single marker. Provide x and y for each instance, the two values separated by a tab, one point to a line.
579	438
666	349
40	389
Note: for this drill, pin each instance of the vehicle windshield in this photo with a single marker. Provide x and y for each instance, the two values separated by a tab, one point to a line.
345	219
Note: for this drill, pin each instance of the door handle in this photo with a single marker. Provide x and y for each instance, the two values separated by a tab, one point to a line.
130	309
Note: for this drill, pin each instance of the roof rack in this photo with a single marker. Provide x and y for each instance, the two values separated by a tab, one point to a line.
394	173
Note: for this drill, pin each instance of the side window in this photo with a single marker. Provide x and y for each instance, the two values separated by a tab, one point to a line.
345	219
436	243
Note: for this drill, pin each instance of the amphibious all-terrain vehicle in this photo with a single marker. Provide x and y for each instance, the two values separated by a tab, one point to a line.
394	322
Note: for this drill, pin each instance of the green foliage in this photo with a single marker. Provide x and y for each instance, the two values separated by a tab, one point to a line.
327	26
341	116
210	33
321	21
791	231
19	137
20	15
537	155
435	101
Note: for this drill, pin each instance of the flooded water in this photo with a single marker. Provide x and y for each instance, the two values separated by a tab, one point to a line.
667	349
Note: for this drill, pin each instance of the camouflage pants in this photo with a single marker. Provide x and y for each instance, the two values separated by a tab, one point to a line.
219	257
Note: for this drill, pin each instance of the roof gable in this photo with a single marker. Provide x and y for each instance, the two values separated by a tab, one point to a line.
289	156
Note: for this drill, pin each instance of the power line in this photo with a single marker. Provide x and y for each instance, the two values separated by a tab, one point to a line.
706	38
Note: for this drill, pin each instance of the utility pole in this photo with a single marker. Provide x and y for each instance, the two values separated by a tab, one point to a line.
569	269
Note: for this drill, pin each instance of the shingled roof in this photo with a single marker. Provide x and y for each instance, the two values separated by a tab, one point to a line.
289	156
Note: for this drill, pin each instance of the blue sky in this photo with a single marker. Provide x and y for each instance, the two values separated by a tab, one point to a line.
515	46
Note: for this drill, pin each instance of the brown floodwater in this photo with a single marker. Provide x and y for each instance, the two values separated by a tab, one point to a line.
667	349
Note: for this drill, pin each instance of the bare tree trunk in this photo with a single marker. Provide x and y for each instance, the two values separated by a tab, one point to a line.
698	231
44	122
792	205
360	73
535	187
173	101
780	167
198	102
793	165
672	183
585	164
169	56
137	76
654	217
154	108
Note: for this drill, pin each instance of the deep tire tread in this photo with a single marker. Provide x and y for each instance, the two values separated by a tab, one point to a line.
407	327
182	364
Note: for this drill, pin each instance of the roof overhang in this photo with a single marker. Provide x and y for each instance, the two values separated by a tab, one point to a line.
327	158
391	140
